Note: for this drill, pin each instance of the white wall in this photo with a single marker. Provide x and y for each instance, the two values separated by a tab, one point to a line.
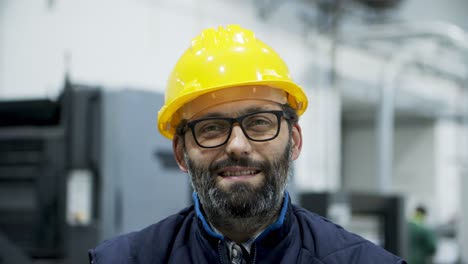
448	167
426	165
113	43
453	11
117	43
359	157
414	170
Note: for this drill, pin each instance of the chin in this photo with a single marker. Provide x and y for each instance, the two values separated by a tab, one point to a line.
227	185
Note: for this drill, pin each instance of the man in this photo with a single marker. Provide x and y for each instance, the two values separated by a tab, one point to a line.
232	110
422	240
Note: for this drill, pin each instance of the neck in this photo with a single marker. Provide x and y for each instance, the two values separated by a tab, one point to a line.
241	230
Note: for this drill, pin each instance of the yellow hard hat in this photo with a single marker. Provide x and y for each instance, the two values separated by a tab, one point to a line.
224	58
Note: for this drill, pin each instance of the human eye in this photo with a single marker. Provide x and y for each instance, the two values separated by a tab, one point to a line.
262	121
259	122
211	128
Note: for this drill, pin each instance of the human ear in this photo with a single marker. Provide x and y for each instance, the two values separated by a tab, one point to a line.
296	137
178	148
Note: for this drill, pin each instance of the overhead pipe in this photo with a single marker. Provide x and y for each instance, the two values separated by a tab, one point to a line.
450	34
444	31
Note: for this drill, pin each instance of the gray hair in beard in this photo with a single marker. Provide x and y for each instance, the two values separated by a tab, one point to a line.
241	200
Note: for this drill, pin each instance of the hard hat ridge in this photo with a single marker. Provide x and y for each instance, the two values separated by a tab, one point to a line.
230	35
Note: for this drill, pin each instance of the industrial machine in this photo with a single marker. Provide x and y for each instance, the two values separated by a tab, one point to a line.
377	217
80	169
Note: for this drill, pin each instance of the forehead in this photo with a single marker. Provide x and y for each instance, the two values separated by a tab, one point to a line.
223	97
237	108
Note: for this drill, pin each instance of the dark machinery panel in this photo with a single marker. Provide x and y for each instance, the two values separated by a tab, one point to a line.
31	162
384	215
82	169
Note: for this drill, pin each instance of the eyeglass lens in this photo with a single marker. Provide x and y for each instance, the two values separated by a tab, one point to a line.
212	132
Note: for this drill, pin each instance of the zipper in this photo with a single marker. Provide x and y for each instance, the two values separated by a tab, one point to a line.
254	253
220	252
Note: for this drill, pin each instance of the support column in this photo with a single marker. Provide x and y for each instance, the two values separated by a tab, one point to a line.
318	168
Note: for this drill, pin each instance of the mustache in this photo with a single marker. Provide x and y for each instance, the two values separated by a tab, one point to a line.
242	162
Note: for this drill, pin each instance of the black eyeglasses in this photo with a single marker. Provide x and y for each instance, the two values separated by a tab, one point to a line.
212	132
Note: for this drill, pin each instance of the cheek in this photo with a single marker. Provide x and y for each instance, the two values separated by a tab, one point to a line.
200	157
279	144
271	152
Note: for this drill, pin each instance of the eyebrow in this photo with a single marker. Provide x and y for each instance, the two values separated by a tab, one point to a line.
240	113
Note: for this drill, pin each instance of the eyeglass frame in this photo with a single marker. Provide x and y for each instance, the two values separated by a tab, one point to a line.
232	120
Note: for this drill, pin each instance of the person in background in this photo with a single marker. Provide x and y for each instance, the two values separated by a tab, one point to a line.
232	112
422	240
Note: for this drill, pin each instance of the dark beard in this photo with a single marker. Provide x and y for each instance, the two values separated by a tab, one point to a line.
241	206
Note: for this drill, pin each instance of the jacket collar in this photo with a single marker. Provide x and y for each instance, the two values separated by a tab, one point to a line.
201	217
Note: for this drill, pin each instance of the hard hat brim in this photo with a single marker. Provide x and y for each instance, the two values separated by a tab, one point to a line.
168	118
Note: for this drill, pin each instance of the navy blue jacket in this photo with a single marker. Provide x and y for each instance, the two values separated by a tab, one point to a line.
298	236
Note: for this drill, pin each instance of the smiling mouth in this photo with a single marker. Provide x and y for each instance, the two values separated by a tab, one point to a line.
238	173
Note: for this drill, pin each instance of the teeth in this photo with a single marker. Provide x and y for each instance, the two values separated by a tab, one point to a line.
238	173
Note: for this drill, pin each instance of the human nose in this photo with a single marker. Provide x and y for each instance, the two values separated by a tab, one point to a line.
238	144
